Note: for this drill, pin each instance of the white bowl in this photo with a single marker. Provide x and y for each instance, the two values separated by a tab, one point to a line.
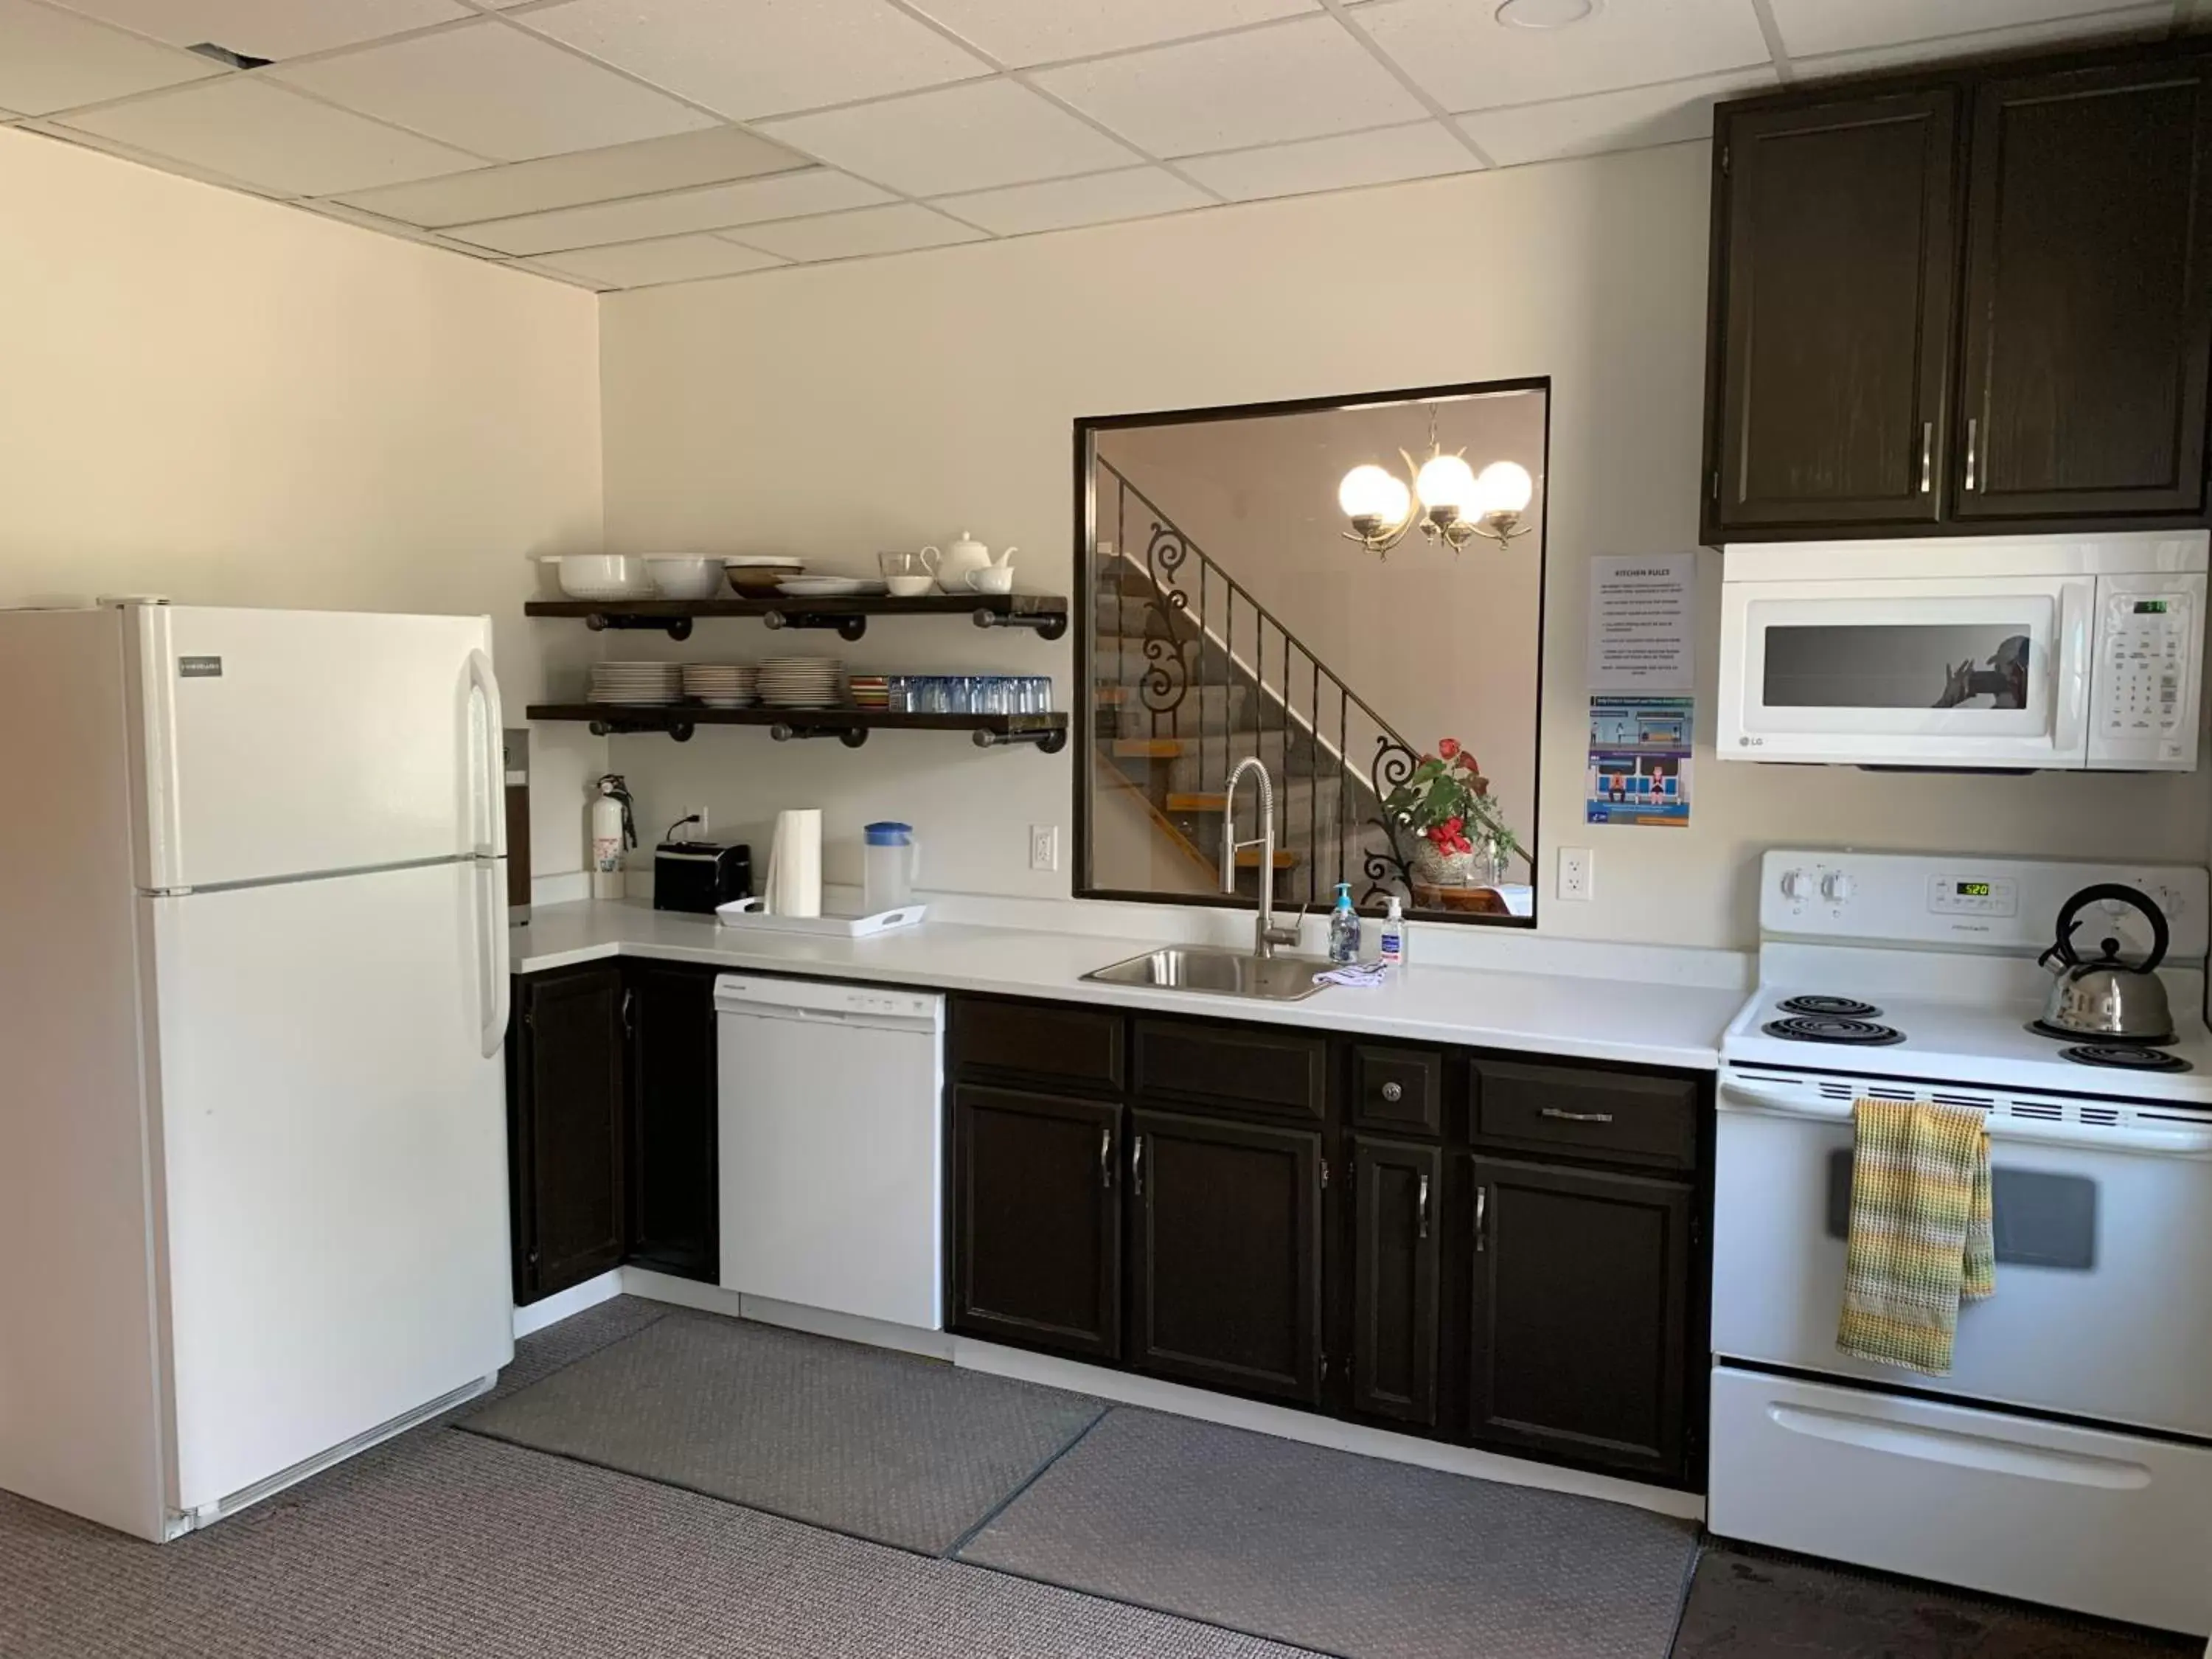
603	575
684	575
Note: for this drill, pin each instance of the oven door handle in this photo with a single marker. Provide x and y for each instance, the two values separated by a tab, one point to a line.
1738	1094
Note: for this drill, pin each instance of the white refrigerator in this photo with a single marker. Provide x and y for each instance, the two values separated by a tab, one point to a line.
253	998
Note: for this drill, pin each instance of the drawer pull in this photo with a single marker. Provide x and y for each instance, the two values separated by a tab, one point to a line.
1481	1218
1106	1158
1564	1116
1421	1207
1393	1092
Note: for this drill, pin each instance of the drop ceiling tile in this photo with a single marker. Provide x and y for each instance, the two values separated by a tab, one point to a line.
716	207
1299	80
1817	28
892	229
272	28
2136	19
494	90
706	157
1419	151
1631	119
670	259
1464	58
1023	32
538	268
54	60
962	138
250	130
1059	204
748	58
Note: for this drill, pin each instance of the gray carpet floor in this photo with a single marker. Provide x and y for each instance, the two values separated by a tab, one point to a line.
884	1446
1353	1555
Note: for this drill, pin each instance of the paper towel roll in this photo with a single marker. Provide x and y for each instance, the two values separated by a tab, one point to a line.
794	864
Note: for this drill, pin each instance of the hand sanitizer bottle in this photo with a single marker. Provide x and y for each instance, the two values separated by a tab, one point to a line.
1344	927
1393	950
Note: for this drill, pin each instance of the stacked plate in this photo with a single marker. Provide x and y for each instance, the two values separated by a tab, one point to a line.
801	681
637	682
720	685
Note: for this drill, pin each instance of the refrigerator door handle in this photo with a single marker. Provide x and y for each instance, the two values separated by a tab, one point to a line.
490	837
490	906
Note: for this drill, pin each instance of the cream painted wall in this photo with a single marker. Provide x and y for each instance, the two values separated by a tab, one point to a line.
230	402
884	403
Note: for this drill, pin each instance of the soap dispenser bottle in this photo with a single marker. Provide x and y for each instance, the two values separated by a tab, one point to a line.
1393	950
1344	927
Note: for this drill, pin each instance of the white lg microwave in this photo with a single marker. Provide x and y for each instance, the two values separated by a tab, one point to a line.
2017	653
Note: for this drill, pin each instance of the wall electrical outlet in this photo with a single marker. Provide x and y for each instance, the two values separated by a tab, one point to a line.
1577	872
1044	847
697	829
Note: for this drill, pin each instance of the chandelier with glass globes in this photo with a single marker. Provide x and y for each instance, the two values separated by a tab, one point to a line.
1456	503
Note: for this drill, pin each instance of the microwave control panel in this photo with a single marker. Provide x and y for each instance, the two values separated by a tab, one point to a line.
2150	637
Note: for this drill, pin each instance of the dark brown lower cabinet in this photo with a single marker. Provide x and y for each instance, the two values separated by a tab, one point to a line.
674	1179
1037	1220
1581	1313
1227	1253
1397	1254
566	1123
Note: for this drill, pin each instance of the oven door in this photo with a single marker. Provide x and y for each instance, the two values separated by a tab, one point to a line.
2102	1234
1971	672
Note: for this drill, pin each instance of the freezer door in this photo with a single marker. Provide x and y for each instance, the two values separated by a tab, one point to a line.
332	1144
276	744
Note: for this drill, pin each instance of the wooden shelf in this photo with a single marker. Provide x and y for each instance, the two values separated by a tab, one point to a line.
1044	613
680	721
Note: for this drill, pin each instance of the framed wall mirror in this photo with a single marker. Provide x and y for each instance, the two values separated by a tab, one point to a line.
1349	590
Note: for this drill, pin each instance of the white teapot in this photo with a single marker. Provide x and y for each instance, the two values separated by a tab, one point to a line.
960	560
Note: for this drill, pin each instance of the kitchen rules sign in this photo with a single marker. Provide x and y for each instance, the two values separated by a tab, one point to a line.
1643	655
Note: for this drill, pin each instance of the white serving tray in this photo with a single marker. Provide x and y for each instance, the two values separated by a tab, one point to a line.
835	924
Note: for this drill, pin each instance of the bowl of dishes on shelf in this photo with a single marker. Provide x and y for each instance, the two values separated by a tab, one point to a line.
602	575
684	575
722	685
754	576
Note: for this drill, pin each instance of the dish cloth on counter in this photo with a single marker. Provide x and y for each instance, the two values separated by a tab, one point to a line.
1922	1238
1364	975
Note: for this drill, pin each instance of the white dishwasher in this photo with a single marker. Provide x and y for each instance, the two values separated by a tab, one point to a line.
832	1155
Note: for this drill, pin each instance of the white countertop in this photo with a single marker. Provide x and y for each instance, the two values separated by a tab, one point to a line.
1575	1015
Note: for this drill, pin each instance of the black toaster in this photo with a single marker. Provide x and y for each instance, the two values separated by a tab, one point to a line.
701	875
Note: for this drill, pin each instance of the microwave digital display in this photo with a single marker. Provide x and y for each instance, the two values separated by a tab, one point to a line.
2151	607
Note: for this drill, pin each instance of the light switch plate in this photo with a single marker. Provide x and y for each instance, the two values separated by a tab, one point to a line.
1577	873
1044	847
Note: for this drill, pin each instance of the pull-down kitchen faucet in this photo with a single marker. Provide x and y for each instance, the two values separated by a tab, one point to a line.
1265	936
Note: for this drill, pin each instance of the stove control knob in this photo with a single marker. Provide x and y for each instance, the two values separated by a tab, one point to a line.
1797	884
1836	888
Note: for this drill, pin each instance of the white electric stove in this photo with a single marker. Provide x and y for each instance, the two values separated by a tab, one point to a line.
2067	1456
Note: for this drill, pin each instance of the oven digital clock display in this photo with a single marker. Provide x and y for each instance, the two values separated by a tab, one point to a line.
1960	896
1971	888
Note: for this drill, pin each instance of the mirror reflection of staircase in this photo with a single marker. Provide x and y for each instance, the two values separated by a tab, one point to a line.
1189	674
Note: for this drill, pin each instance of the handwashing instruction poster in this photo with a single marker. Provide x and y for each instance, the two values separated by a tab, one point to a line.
1643	655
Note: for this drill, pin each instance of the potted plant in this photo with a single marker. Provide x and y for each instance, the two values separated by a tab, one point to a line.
1461	837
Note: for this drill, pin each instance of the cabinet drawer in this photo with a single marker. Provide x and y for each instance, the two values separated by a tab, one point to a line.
1398	1091
1080	1045
1606	1115
1233	1065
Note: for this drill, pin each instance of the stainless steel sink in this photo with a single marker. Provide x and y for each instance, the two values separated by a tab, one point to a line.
1220	972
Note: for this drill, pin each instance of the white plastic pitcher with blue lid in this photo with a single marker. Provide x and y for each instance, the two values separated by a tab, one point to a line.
891	864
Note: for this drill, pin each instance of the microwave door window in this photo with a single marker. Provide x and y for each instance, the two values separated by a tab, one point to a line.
1964	667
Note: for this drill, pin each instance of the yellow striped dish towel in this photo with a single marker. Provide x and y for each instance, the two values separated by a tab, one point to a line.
1922	1238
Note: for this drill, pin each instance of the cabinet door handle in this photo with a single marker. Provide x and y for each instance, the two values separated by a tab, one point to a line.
1564	1116
1137	1165
1421	1207
1393	1092
1481	1220
1927	456
1974	444
1106	1158
630	1026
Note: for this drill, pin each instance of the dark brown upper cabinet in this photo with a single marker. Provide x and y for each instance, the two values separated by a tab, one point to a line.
2089	306
1972	299
1839	248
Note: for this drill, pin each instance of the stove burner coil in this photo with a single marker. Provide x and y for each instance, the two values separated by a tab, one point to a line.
1823	1028
1834	1007
2118	1058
